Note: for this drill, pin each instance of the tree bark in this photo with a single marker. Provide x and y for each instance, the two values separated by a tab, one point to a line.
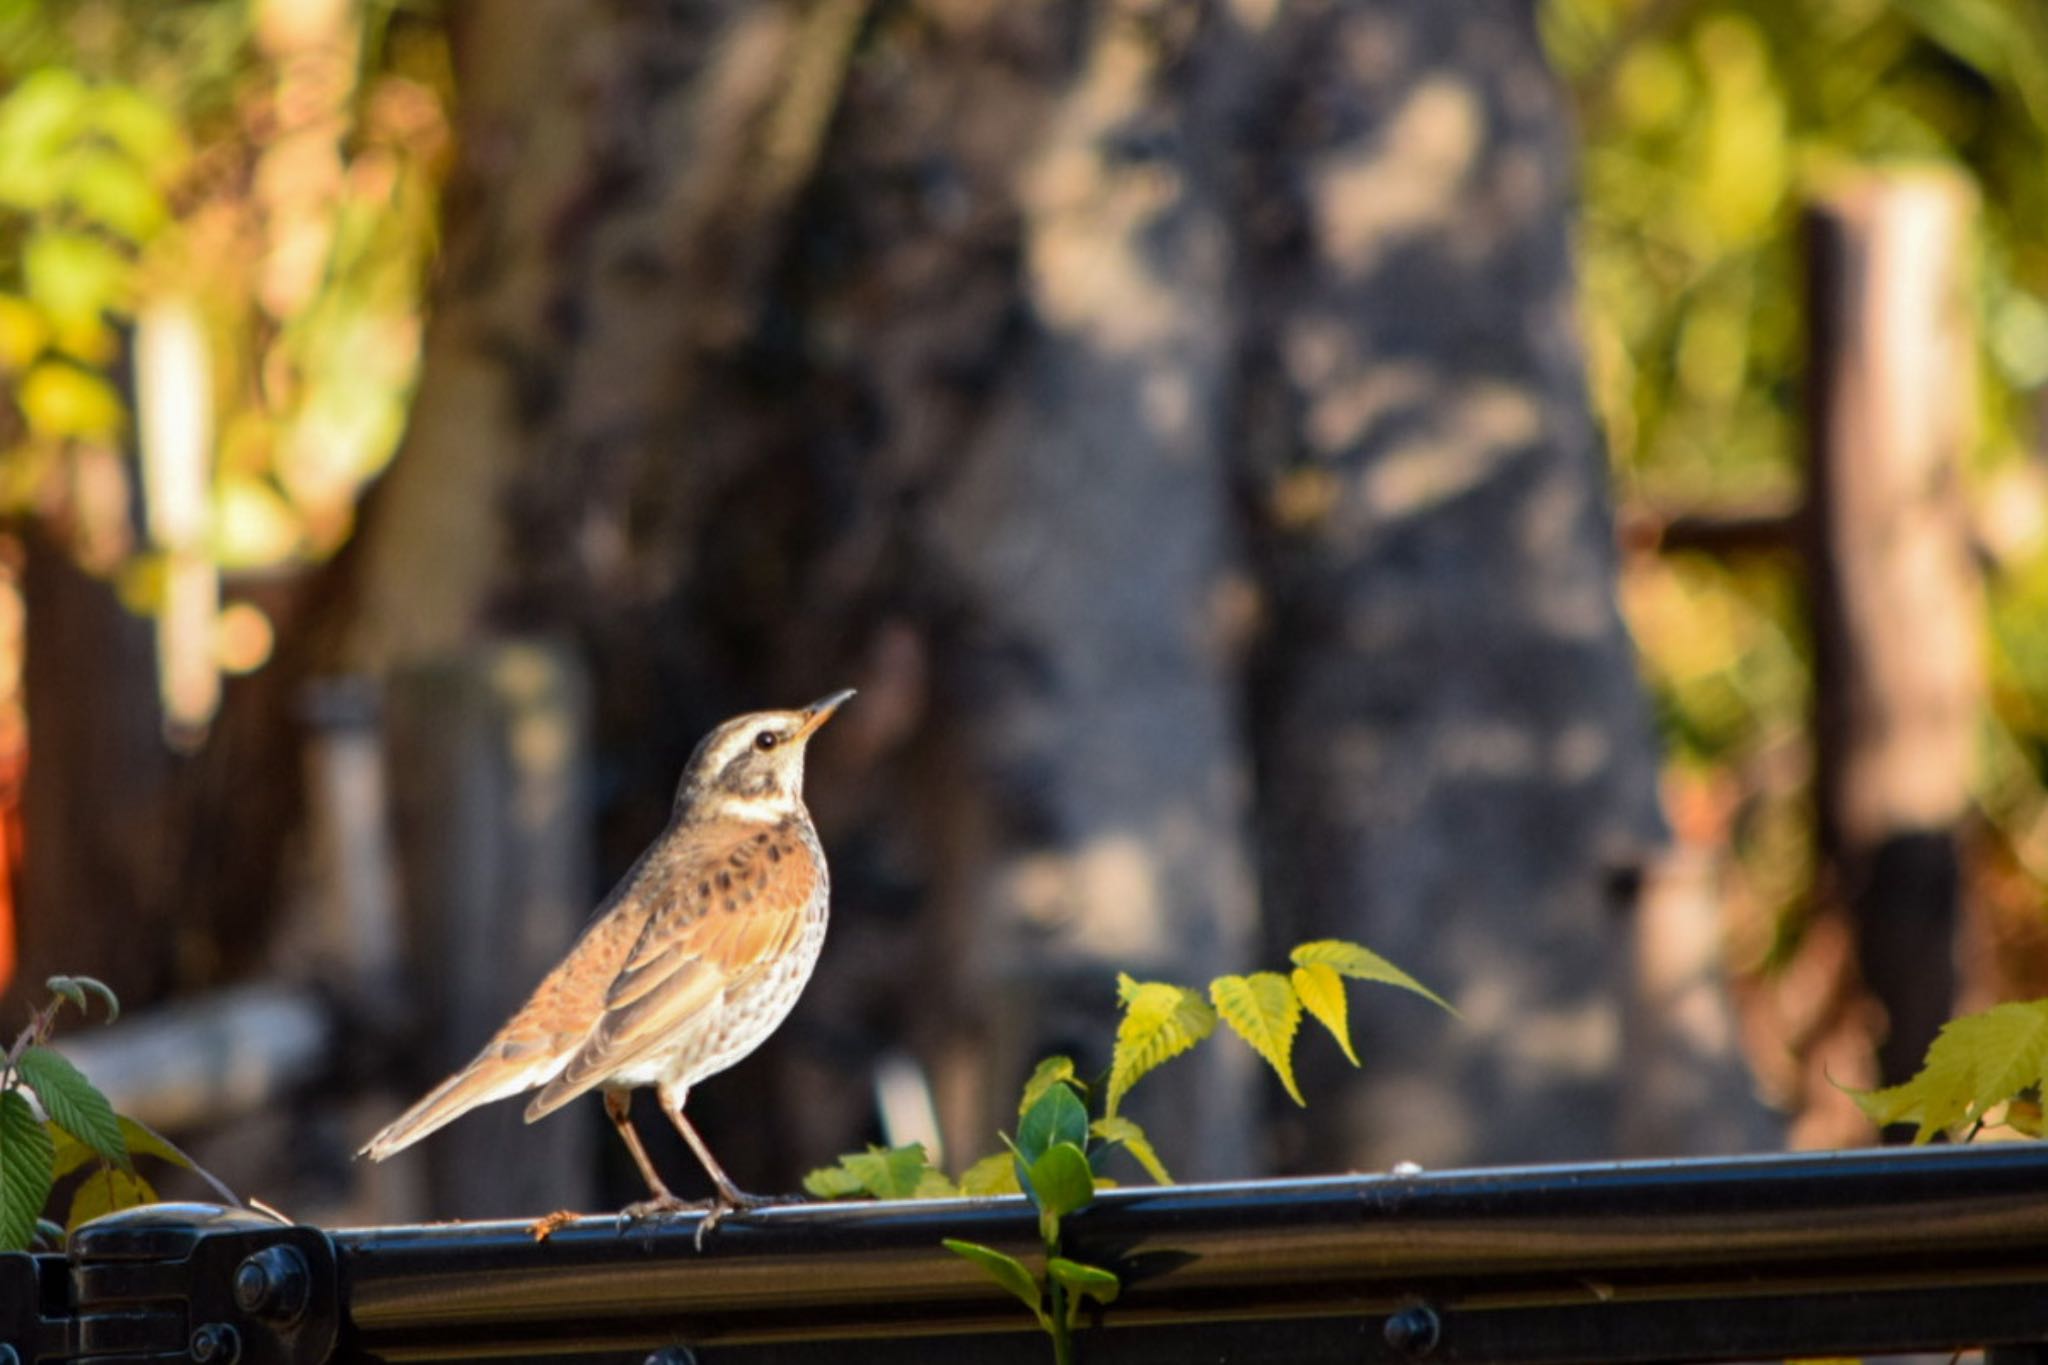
1456	764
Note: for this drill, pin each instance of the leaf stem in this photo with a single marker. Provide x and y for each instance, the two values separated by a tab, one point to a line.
1062	1330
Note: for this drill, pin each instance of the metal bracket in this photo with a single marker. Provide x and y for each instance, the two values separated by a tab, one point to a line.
215	1285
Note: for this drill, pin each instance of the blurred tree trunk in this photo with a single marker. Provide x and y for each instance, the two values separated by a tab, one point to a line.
986	358
1455	758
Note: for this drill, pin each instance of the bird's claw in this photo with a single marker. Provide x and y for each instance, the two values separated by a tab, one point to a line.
659	1206
738	1201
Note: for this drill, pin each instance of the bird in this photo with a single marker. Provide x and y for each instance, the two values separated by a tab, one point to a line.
693	960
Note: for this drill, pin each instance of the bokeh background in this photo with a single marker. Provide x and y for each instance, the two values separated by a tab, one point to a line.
1552	491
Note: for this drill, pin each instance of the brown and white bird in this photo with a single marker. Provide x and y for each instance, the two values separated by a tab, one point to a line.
691	962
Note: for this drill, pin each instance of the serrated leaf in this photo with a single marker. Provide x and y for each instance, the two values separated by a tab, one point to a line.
933	1183
25	1179
107	1190
73	1102
991	1176
1007	1271
1082	1282
1049	1073
67	1152
1121	1132
1058	1116
1321	992
1975	1063
1363	964
1161	1021
833	1182
881	1172
1263	1010
1059	1182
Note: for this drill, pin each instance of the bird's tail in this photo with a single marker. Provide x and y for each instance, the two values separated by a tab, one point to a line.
490	1077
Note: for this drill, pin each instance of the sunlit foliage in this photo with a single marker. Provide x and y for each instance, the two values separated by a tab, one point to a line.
264	175
1704	126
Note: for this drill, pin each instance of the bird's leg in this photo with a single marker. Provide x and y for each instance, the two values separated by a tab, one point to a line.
731	1198
618	1107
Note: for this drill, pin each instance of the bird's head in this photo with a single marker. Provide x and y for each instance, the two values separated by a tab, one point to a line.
752	767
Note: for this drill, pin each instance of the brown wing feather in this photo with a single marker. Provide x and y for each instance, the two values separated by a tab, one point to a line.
735	904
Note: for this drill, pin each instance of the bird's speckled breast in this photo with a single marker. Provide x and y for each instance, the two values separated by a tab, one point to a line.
756	1007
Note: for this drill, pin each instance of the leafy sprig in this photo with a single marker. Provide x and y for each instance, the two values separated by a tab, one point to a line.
1982	1069
1057	1155
78	1130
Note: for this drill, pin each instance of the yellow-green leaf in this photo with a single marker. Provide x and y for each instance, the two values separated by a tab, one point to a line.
25	1177
1264	1011
1362	964
107	1190
1123	1133
1321	992
1082	1281
1005	1270
1976	1063
883	1172
60	399
833	1182
1161	1021
933	1183
1049	1073
74	276
990	1176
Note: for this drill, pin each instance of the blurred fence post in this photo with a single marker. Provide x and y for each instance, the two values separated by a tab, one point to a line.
1894	593
488	757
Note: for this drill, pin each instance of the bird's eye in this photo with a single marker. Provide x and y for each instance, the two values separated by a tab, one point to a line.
766	740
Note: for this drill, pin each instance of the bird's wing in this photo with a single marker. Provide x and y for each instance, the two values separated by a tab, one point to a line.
731	902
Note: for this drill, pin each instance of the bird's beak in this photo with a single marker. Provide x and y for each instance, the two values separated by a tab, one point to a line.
818	712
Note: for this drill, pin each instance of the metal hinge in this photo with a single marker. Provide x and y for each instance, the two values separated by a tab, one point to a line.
171	1282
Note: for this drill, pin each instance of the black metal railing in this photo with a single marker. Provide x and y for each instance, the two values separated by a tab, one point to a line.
1754	1258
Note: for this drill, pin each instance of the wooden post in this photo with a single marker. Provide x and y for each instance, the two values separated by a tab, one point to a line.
487	758
1895	599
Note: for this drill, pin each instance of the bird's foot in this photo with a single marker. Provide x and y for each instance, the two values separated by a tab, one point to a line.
738	1201
660	1205
547	1226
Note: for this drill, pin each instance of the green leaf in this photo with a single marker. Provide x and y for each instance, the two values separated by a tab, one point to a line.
73	1102
883	1172
1121	1132
1082	1282
990	1176
933	1183
1058	1116
76	988
1976	1063
833	1182
25	1178
1007	1271
1161	1021
107	1190
73	276
1362	964
1051	1072
1262	1008
1059	1182
1321	992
